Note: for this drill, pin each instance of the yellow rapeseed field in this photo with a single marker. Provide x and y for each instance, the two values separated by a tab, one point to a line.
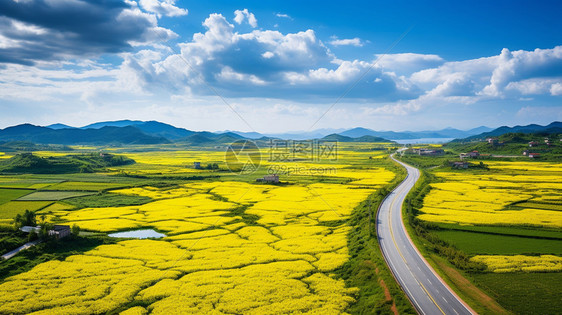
513	193
499	264
231	247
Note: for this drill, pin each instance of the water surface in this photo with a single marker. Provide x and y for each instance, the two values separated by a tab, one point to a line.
423	140
145	233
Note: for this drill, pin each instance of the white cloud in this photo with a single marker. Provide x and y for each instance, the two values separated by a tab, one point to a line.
164	7
347	42
520	72
268	54
556	89
457	84
285	74
282	15
293	65
240	16
535	86
408	63
520	65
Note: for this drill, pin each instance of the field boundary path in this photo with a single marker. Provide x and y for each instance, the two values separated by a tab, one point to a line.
27	245
426	290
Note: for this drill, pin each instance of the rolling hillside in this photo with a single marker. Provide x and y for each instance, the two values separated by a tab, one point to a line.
554	127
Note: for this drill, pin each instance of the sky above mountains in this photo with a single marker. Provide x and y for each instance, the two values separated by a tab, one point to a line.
278	66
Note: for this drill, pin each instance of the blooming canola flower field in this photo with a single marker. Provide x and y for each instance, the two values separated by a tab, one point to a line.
516	193
501	264
511	194
230	247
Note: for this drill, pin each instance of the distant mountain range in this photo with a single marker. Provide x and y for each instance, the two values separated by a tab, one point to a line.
554	127
360	132
123	132
406	135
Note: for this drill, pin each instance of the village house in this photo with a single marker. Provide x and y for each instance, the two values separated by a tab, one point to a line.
274	179
526	152
197	165
492	141
533	144
473	154
428	152
60	231
29	229
534	155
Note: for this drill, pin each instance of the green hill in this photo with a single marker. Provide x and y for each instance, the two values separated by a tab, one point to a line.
514	144
85	163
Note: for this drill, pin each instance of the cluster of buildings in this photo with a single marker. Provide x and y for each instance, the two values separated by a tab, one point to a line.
531	154
428	152
474	154
536	143
58	231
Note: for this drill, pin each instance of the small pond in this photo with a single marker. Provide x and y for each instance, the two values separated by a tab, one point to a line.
146	233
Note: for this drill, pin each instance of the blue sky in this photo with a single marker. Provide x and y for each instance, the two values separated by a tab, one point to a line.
278	66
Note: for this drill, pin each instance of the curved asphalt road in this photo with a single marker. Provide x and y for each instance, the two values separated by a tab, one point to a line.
427	292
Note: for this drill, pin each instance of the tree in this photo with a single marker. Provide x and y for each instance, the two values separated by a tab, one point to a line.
75	230
27	218
32	236
44	231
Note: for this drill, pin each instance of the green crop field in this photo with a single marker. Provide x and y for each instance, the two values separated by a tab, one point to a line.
505	230
490	244
53	195
12	194
87	186
525	293
10	209
107	200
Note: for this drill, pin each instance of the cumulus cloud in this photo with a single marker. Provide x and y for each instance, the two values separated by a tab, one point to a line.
556	89
241	15
160	8
43	30
268	64
535	86
507	74
357	42
520	65
259	64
